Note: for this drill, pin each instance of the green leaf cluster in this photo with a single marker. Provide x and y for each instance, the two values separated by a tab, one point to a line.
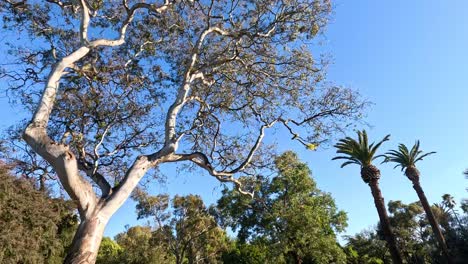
34	228
289	214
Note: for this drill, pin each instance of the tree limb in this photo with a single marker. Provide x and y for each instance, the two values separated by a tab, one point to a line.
202	161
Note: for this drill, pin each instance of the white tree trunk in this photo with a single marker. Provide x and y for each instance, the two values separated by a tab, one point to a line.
85	245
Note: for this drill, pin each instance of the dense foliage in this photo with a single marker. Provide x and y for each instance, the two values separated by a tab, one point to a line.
414	236
182	232
34	228
290	216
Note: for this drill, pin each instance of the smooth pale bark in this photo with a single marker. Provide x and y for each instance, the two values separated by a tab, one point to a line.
64	163
384	221
88	237
94	212
432	220
85	245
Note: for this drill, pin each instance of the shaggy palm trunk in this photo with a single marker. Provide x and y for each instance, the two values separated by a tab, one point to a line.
430	216
85	245
384	221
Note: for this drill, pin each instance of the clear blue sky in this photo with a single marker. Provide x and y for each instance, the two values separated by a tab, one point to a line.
410	58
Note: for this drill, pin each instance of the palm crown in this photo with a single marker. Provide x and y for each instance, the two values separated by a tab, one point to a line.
404	157
358	152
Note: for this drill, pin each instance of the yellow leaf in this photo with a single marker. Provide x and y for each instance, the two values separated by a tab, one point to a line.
311	146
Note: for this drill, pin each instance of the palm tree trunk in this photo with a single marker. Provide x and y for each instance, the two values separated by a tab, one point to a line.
384	221
430	216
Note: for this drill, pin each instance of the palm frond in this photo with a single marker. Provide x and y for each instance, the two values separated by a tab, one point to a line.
349	162
414	150
374	148
405	157
403	149
357	151
379	156
424	155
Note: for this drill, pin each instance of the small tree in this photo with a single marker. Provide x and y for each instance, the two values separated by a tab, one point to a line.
118	88
413	232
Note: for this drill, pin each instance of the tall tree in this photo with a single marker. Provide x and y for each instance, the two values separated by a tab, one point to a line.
117	88
406	159
361	153
289	214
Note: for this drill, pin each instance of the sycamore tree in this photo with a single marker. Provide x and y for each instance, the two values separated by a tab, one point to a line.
117	88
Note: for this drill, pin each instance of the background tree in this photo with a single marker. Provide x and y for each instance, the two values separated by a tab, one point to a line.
361	153
25	161
138	247
35	228
117	88
413	232
246	253
407	159
464	203
367	247
464	206
414	236
455	226
289	214
448	204
188	231
109	252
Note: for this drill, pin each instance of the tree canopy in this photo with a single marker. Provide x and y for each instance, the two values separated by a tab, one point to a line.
136	77
290	214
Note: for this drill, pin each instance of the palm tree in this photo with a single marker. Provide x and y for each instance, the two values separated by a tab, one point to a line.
406	159
449	203
361	153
